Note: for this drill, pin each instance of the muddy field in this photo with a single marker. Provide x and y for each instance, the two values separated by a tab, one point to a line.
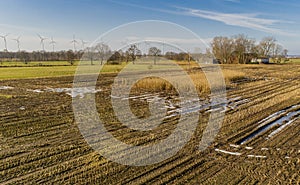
257	144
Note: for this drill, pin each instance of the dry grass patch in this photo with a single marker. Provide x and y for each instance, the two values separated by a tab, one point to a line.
198	79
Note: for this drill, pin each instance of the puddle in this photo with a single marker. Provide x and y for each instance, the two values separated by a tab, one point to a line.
257	156
227	152
282	118
5	87
264	149
74	92
141	97
234	146
176	107
147	97
235	102
207	106
35	90
282	127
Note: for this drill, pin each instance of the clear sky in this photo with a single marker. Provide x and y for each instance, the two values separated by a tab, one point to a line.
88	19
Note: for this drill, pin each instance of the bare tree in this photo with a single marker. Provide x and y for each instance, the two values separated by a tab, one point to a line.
103	51
222	48
242	46
154	51
241	49
70	57
132	53
24	57
285	53
277	50
277	53
266	46
90	54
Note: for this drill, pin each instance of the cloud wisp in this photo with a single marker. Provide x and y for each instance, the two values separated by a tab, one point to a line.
251	21
245	20
233	1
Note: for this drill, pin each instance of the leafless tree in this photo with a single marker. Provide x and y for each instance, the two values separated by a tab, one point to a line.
222	49
154	51
285	53
132	53
90	54
70	57
266	46
240	49
103	51
243	45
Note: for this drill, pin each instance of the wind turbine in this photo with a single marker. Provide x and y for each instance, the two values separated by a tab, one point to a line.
163	48
18	42
74	41
42	42
5	42
83	43
147	44
52	42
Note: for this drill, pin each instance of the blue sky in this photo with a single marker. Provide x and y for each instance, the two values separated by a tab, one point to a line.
88	19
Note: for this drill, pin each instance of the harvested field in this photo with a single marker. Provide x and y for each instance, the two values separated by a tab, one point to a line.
258	142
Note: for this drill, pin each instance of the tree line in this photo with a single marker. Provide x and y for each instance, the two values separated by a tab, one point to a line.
226	50
241	49
100	52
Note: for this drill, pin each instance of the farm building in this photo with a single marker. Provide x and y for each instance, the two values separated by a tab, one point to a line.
216	61
263	60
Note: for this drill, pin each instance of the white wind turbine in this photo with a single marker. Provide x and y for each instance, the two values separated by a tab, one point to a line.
74	41
52	42
42	42
5	42
147	46
83	43
18	43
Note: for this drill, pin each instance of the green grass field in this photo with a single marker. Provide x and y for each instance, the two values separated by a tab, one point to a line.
35	63
49	69
35	72
18	70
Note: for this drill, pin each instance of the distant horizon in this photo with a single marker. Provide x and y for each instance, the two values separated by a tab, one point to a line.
289	55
